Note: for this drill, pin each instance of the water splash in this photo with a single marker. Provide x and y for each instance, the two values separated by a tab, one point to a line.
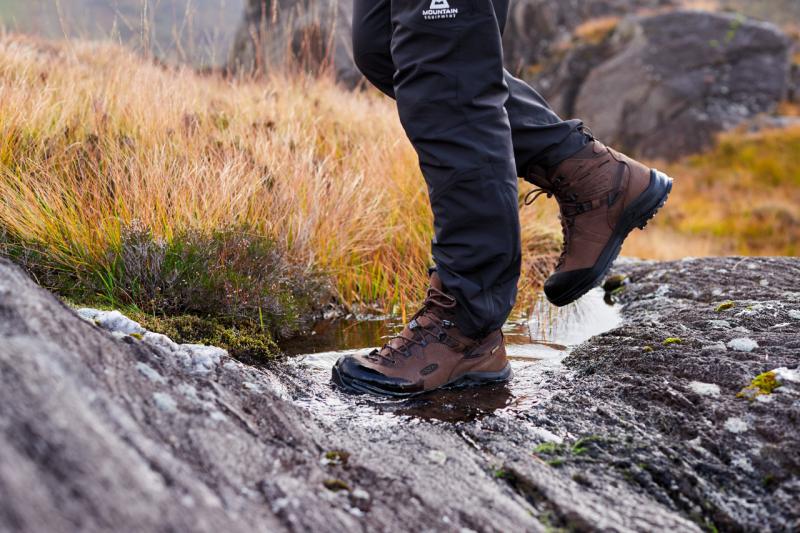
536	348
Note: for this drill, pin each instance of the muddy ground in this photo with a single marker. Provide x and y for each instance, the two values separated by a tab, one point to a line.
638	429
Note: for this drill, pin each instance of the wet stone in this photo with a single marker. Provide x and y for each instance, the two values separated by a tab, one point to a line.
593	433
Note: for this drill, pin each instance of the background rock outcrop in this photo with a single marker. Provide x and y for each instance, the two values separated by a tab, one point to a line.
670	82
536	29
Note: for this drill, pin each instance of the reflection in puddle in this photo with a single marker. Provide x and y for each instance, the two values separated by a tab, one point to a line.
536	348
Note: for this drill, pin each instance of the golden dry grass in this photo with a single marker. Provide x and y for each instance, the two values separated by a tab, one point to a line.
595	30
93	139
741	197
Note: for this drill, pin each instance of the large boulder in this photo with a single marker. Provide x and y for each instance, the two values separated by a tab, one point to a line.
536	29
671	82
107	427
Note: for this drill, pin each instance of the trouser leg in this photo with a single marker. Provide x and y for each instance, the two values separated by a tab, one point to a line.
451	93
539	136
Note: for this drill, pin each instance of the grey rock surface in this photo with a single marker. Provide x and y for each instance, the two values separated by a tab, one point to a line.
101	432
671	82
536	28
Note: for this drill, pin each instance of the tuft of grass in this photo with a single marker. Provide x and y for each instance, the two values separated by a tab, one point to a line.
583	445
125	181
549	448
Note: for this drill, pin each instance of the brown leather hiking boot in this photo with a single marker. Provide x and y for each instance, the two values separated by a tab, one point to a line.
603	195
429	353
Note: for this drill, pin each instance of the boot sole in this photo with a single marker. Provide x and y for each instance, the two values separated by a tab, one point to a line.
636	215
471	379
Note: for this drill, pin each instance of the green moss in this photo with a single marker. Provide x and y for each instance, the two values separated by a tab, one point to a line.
245	341
549	448
647	349
672	340
584	444
724	306
137	336
502	473
710	526
555	463
336	485
548	521
615	283
761	385
337	457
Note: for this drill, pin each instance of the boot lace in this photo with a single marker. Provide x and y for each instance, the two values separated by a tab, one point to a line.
435	328
567	221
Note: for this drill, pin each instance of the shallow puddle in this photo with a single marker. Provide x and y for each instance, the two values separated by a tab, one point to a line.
536	348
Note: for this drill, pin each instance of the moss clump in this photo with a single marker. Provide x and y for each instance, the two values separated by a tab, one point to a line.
647	349
337	457
555	463
582	446
615	283
502	473
672	340
336	485
549	448
245	342
724	306
137	336
761	385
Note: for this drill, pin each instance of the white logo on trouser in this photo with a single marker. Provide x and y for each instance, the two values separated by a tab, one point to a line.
440	9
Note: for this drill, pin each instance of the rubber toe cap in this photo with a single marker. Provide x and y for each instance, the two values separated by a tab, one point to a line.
353	375
560	285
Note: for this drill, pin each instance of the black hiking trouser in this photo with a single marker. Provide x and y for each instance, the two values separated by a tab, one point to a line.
475	129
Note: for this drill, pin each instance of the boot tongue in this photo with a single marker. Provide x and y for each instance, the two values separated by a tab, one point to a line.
424	320
436	282
542	177
441	312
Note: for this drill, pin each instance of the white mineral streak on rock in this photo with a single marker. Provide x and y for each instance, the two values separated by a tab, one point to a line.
165	402
705	389
115	322
736	425
150	373
195	358
743	345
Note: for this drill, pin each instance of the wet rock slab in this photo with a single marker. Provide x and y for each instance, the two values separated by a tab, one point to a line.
639	429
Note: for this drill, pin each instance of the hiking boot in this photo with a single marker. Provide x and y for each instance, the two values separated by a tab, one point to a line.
603	195
429	353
